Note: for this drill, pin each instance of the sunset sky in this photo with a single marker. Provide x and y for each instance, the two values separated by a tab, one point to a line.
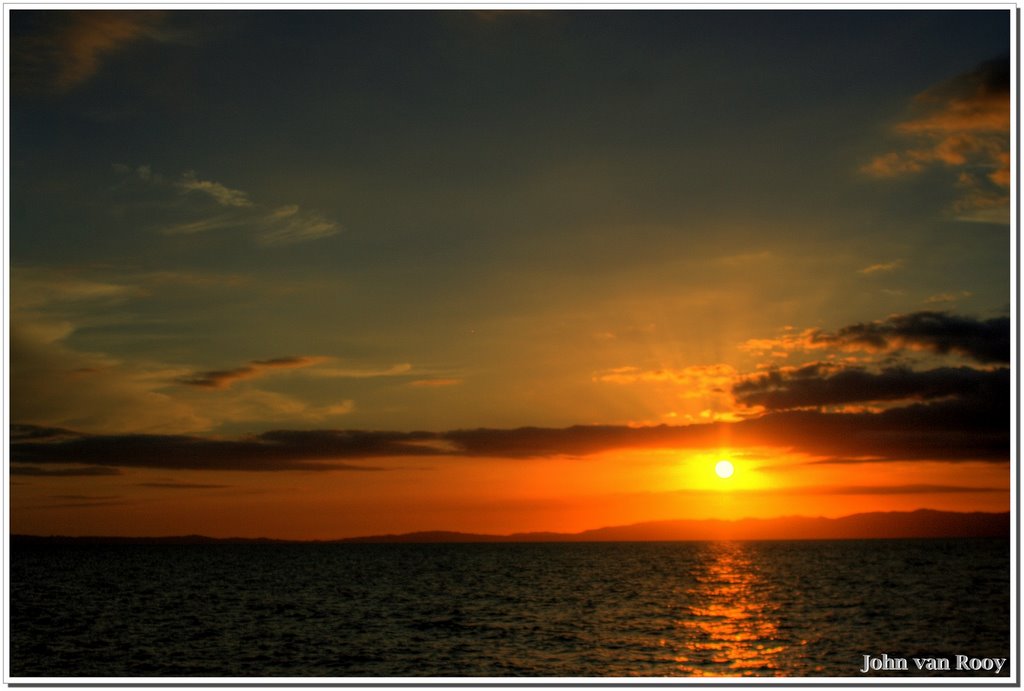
316	274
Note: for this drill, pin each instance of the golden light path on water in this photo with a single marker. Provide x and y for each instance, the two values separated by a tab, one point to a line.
729	623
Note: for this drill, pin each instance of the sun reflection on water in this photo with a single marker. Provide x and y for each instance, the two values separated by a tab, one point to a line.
729	627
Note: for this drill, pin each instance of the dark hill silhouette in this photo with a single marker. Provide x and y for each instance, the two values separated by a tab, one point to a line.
923	523
895	524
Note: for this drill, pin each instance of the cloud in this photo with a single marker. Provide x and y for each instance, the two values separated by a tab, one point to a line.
295	228
969	425
203	225
224	196
192	279
179	485
947	297
905	489
86	471
355	373
881	268
222	379
851	490
696	378
946	413
216	206
271	451
963	123
79	505
312	367
703	389
36	287
434	383
815	385
57	51
35	432
54	384
986	341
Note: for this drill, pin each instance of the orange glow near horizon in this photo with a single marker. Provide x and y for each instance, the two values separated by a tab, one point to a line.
500	496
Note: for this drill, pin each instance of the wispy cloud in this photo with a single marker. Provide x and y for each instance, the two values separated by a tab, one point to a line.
55	383
964	124
222	379
885	267
65	49
218	206
947	297
37	287
434	383
359	373
315	366
223	195
204	225
296	227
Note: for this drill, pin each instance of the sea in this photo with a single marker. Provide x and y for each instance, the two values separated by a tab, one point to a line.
501	610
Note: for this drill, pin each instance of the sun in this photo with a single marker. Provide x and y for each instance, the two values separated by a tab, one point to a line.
724	469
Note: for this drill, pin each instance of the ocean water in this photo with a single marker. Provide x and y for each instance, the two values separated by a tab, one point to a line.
812	608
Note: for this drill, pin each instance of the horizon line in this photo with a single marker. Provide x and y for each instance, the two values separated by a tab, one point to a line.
534	536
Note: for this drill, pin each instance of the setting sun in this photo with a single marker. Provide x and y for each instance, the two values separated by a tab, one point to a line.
424	357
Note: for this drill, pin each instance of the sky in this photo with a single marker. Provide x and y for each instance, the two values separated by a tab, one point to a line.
318	274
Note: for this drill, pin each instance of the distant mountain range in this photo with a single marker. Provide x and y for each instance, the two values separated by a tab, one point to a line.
896	524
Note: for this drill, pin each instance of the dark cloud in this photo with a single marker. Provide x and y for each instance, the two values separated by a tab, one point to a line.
986	341
956	414
20	432
86	471
222	379
961	429
56	51
814	386
270	451
180	485
816	490
943	431
947	430
79	505
969	93
906	489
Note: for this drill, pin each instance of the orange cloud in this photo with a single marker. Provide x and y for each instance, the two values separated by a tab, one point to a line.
71	46
432	383
697	378
962	123
880	268
703	390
